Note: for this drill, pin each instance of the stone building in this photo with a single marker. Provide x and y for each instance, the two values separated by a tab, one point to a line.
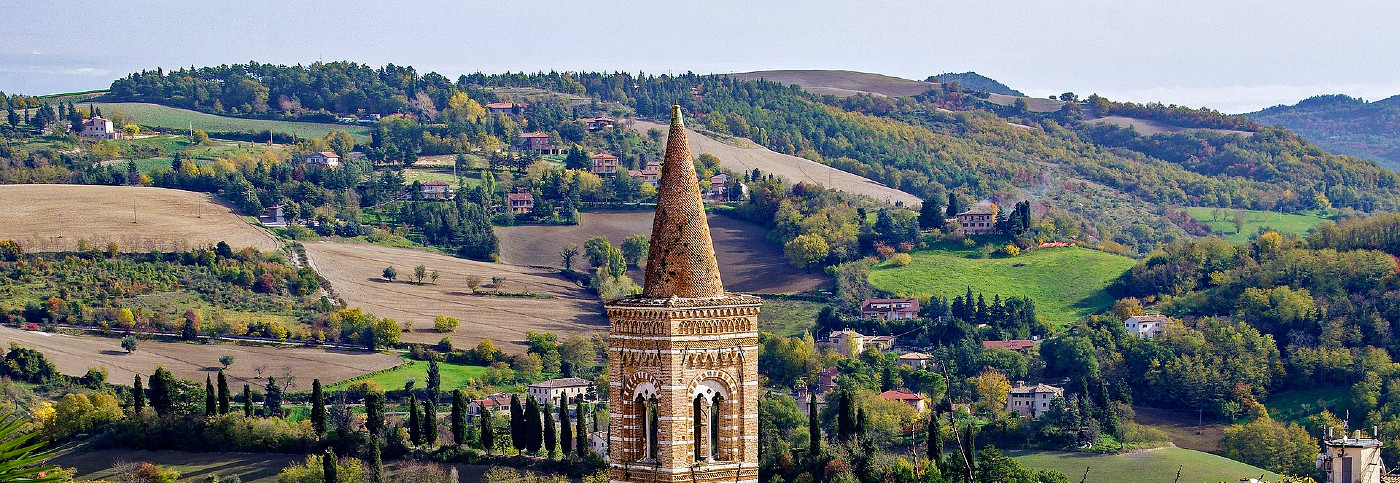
684	353
981	219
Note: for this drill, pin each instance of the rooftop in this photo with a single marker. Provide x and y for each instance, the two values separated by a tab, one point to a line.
1149	318
1036	389
915	356
981	208
436	182
681	261
1015	345
900	395
563	382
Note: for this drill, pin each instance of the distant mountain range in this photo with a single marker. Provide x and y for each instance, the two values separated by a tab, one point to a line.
1344	125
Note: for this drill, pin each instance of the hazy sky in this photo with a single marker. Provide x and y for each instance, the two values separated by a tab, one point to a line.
1235	56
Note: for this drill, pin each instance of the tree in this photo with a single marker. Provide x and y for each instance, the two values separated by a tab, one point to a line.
223	393
272	399
190	329
581	432
318	408
814	428
226	360
339	142
444	323
328	470
430	424
199	138
376	462
434	378
635	247
374	413
1272	445
568	253
806	251
420	272
391	273
459	418
935	439
566	429
415	424
992	391
595	250
129	343
488	433
517	424
845	417
550	434
247	401
162	390
138	396
617	263
953	207
534	427
211	404
931	214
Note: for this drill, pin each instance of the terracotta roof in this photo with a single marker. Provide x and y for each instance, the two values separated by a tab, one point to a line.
503	105
329	154
563	382
493	400
535	134
681	261
520	197
981	208
900	396
1015	345
830	371
602	156
850	332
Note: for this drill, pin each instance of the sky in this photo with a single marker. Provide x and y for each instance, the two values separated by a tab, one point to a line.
1234	56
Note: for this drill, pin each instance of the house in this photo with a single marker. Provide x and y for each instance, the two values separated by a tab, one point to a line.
650	175
272	216
604	163
913	400
916	360
979	220
521	201
99	128
434	189
880	342
889	309
550	392
804	400
847	342
1353	460
718	184
538	142
1019	345
495	402
506	107
826	379
596	123
598	442
1031	401
324	158
1146	326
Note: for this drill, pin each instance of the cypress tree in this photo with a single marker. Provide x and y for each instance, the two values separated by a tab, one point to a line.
845	417
459	418
517	424
550	437
581	446
935	439
162	390
138	397
247	401
374	413
318	408
430	424
328	467
488	435
415	427
223	393
211	406
272	399
814	428
376	462
533	427
862	423
953	207
566	428
434	379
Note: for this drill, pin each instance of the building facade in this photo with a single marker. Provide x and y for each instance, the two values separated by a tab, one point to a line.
550	392
683	354
981	219
889	309
1146	326
1032	401
604	163
98	127
324	158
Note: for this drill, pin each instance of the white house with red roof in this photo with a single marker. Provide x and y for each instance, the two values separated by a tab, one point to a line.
913	400
1146	326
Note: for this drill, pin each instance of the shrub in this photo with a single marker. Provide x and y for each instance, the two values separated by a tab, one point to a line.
444	323
900	259
1010	250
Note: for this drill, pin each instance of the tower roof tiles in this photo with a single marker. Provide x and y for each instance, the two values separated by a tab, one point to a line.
681	260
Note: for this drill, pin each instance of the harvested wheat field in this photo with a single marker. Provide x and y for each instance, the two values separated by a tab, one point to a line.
73	355
355	272
747	261
841	83
743	155
55	217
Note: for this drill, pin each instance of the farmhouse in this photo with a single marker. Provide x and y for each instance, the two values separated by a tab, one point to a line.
826	379
521	201
324	158
99	128
506	107
1146	326
604	163
550	392
272	216
1019	345
718	184
1031	401
649	175
880	342
804	400
434	189
494	402
596	123
913	400
538	142
978	220
916	360
889	309
847	342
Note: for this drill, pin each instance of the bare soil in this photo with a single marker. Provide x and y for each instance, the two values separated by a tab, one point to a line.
841	83
743	155
355	272
1147	127
248	467
73	355
747	261
54	217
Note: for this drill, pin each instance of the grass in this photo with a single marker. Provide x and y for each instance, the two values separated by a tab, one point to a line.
1065	283
1224	224
453	376
1151	465
1296	406
787	317
175	118
425	174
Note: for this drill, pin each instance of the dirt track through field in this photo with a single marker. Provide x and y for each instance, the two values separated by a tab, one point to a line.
795	169
355	271
73	355
54	217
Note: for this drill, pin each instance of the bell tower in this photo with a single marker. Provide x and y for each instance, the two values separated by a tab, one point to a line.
683	355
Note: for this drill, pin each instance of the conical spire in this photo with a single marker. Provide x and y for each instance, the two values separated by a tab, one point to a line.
681	262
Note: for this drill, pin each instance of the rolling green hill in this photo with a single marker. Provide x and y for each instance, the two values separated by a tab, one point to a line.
1065	283
156	115
1222	222
1151	465
1344	125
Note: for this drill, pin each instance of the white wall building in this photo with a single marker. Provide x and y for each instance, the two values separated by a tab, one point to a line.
549	392
1146	326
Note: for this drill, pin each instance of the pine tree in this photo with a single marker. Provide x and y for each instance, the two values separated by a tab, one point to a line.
488	433
430	424
931	214
374	413
459	418
138	397
223	393
953	208
814	428
162	390
534	429
318	408
211	405
247	401
566	428
517	424
550	437
581	446
328	467
415	426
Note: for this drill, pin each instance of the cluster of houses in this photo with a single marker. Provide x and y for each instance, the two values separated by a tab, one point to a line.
568	390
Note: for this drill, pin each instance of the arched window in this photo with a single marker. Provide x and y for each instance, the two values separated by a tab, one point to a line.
653	432
714	426
698	420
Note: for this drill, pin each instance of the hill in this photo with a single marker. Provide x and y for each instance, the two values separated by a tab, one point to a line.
976	82
174	118
1148	127
1160	464
840	83
1222	222
54	217
747	261
1065	283
355	273
1344	125
743	155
